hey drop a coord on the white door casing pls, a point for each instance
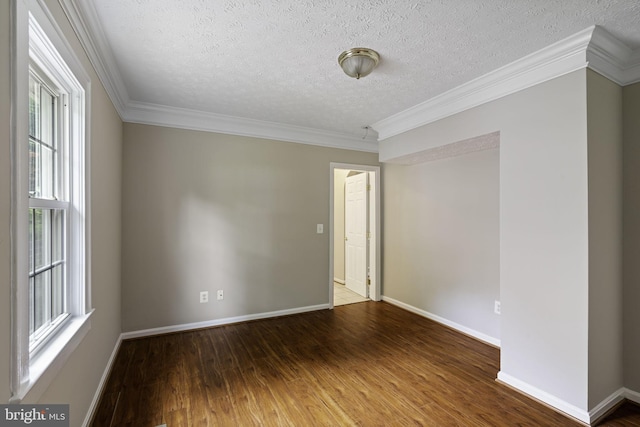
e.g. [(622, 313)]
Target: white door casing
[(372, 270), (356, 228)]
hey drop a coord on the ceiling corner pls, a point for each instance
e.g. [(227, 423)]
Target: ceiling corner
[(610, 57), (632, 72)]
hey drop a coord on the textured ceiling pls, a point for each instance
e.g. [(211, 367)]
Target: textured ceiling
[(276, 60)]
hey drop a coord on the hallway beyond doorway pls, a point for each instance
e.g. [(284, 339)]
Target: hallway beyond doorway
[(343, 296)]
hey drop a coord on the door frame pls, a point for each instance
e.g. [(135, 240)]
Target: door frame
[(375, 228)]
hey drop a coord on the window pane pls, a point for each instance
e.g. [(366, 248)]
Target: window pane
[(46, 173), (41, 292), (31, 237), (37, 238), (34, 108), (48, 144), (34, 136), (43, 154), (47, 118), (57, 292), (32, 282), (58, 233), (42, 237), (34, 188)]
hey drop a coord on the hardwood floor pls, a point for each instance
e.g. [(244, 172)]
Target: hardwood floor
[(365, 364)]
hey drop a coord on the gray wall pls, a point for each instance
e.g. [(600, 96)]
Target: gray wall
[(441, 234), (604, 118), (205, 211), (543, 227), (78, 380), (631, 239), (568, 274)]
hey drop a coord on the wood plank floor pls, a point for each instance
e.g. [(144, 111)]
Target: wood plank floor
[(366, 364)]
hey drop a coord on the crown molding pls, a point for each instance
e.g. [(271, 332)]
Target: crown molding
[(553, 61), (593, 47), (84, 21), (161, 115), (610, 57)]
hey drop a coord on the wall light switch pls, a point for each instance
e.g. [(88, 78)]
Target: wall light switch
[(220, 295), (320, 228)]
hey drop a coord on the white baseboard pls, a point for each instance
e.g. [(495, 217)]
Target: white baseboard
[(589, 418), (606, 405), (631, 395), (102, 383), (218, 322), (544, 397), (460, 328), (341, 281), (560, 405)]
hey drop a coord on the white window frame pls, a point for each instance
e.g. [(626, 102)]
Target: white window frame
[(38, 39), (61, 201)]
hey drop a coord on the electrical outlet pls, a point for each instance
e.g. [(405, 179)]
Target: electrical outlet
[(204, 297), (496, 307), (220, 294)]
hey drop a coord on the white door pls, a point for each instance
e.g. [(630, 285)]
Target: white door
[(355, 220)]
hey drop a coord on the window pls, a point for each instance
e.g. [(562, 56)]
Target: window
[(48, 209), (50, 215)]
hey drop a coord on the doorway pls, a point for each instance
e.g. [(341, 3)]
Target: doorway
[(354, 230)]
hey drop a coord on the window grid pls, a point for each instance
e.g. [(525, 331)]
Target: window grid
[(44, 166), (47, 214)]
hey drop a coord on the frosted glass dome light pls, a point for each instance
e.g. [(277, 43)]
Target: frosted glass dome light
[(359, 61)]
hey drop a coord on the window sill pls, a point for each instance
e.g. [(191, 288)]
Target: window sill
[(46, 365)]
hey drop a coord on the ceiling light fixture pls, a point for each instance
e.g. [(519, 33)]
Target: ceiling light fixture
[(359, 61)]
